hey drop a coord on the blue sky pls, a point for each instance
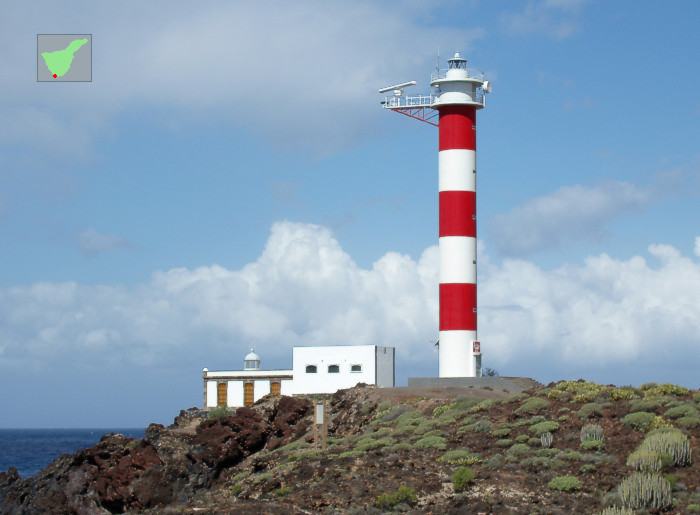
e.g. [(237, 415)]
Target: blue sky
[(229, 180)]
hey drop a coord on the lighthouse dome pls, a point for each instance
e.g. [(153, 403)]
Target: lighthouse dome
[(251, 361)]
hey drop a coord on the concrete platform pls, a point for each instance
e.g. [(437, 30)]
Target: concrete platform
[(510, 384)]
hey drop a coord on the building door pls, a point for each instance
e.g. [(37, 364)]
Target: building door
[(221, 394), (276, 388), (248, 394)]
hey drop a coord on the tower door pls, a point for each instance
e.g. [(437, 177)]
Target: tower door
[(276, 388), (248, 394), (221, 394)]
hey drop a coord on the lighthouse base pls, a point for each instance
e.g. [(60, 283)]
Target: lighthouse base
[(456, 356)]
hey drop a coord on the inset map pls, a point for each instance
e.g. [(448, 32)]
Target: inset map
[(64, 58)]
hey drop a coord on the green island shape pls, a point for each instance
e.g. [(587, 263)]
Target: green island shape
[(59, 62)]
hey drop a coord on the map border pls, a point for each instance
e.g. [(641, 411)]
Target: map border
[(38, 55)]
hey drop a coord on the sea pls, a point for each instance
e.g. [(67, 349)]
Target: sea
[(30, 450)]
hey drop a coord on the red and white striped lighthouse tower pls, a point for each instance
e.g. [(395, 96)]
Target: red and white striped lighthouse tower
[(458, 93)]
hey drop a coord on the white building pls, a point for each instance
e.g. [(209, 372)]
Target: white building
[(314, 370)]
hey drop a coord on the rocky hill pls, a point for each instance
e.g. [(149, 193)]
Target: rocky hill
[(570, 447)]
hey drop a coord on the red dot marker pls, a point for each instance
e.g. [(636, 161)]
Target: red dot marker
[(54, 75)]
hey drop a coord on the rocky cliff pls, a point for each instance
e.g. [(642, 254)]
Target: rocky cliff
[(568, 447)]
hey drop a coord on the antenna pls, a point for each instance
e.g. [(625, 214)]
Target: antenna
[(398, 86)]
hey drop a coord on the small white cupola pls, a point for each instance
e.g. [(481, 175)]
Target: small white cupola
[(251, 361), (457, 62)]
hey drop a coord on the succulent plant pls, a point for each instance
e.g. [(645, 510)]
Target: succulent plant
[(645, 460), (546, 439), (591, 432), (672, 442), (645, 491)]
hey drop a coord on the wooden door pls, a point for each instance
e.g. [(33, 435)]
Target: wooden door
[(276, 388), (248, 394), (221, 394)]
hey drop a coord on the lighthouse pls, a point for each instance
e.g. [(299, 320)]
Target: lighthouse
[(456, 95)]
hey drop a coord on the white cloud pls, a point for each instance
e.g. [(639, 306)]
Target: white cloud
[(305, 290), (570, 213), (90, 242), (553, 18), (290, 72)]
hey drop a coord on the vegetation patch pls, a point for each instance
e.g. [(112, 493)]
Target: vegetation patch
[(623, 393), (672, 442), (591, 445), (547, 426), (648, 405), (519, 449), (688, 422), (590, 410), (460, 457), (645, 460), (666, 389), (504, 442), (686, 410), (401, 446), (565, 484), (431, 442), (645, 491), (404, 495), (462, 478), (638, 421), (481, 426), (442, 409), (532, 406), (522, 438), (500, 433), (283, 491), (218, 412)]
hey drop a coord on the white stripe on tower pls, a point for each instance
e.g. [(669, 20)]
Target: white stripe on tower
[(457, 180)]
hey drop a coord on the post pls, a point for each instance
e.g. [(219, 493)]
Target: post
[(320, 420)]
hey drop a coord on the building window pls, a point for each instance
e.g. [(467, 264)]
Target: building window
[(310, 369), (333, 369), (355, 368)]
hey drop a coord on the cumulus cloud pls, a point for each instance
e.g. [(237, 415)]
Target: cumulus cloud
[(304, 289), (181, 63), (553, 18), (90, 242), (570, 213)]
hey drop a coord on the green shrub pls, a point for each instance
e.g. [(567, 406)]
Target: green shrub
[(442, 409), (586, 397), (262, 477), (409, 418), (591, 445), (401, 446), (530, 421), (648, 405), (571, 456), (235, 490), (481, 426), (283, 491), (431, 442), (350, 454), (688, 422), (587, 469), (404, 494), (666, 389), (293, 446), (370, 444), (460, 457), (464, 403), (241, 476), (504, 442), (500, 433), (548, 426), (564, 484), (516, 398), (533, 442), (483, 406), (448, 418), (578, 386), (462, 478), (672, 442), (522, 438), (623, 393), (696, 396), (384, 406), (563, 418), (638, 421), (686, 410), (645, 491), (532, 406), (644, 460), (590, 410), (218, 412), (519, 449)]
